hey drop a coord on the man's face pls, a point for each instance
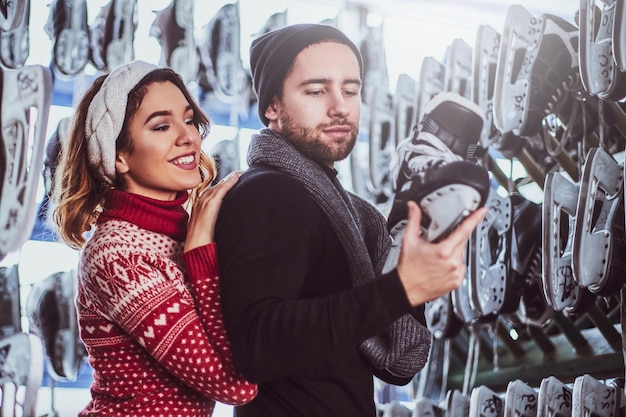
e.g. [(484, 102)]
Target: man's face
[(321, 103)]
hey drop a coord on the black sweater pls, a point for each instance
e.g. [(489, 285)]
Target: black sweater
[(293, 318)]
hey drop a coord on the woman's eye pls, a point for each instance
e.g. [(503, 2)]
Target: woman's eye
[(161, 128)]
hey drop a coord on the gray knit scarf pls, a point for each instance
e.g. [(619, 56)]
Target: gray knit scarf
[(362, 230)]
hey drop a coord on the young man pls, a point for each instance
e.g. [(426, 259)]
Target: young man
[(308, 313)]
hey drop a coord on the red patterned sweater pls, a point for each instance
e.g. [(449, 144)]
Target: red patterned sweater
[(155, 337)]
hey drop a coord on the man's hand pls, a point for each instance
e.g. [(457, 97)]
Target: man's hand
[(430, 270)]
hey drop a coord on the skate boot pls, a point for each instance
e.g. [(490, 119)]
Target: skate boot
[(21, 154), (593, 397), (537, 61), (457, 404), (427, 407), (112, 35), (52, 316), (68, 29), (15, 44), (435, 167), (10, 312)]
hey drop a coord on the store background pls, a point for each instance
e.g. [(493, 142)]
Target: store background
[(413, 29)]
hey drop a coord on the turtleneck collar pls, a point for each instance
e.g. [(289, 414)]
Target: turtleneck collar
[(165, 217)]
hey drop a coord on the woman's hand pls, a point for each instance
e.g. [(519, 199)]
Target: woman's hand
[(205, 210)]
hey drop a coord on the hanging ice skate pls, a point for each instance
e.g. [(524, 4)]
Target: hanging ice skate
[(485, 403), (221, 67), (52, 316), (555, 398), (10, 307), (21, 372), (593, 397), (25, 91), (559, 215), (457, 404), (526, 251), (458, 73), (491, 289), (174, 29), (112, 35), (427, 407), (599, 242), (404, 107), (15, 43), (599, 72), (485, 61), (619, 34), (520, 400), (11, 14), (431, 82), (537, 59), (68, 29)]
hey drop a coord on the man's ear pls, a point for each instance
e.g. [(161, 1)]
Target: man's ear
[(272, 110), (121, 163)]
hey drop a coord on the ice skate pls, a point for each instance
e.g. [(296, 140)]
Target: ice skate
[(68, 29), (11, 15), (485, 403), (21, 372), (427, 407), (10, 309), (599, 72), (599, 241), (221, 67), (559, 215), (112, 35), (593, 397), (15, 43), (457, 404), (173, 27), (21, 153), (520, 400), (52, 315), (555, 398), (434, 168), (537, 59)]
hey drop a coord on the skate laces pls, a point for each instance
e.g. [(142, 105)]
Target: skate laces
[(420, 154)]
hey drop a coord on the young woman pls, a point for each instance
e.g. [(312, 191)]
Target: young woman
[(148, 298)]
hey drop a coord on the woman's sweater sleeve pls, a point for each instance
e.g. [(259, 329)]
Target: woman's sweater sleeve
[(144, 295)]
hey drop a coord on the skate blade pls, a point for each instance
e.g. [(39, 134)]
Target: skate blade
[(120, 49), (459, 68), (431, 83), (24, 91), (71, 46), (599, 240), (447, 207)]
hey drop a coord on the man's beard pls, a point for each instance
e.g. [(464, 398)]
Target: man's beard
[(308, 140)]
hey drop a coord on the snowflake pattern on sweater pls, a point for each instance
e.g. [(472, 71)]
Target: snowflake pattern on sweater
[(155, 338)]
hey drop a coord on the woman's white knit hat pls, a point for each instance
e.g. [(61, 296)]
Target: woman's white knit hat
[(106, 114)]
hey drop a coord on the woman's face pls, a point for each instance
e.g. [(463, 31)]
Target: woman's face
[(165, 145)]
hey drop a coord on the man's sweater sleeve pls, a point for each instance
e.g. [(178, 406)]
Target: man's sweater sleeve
[(272, 331)]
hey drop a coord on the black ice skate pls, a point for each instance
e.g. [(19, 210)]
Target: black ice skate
[(434, 167)]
